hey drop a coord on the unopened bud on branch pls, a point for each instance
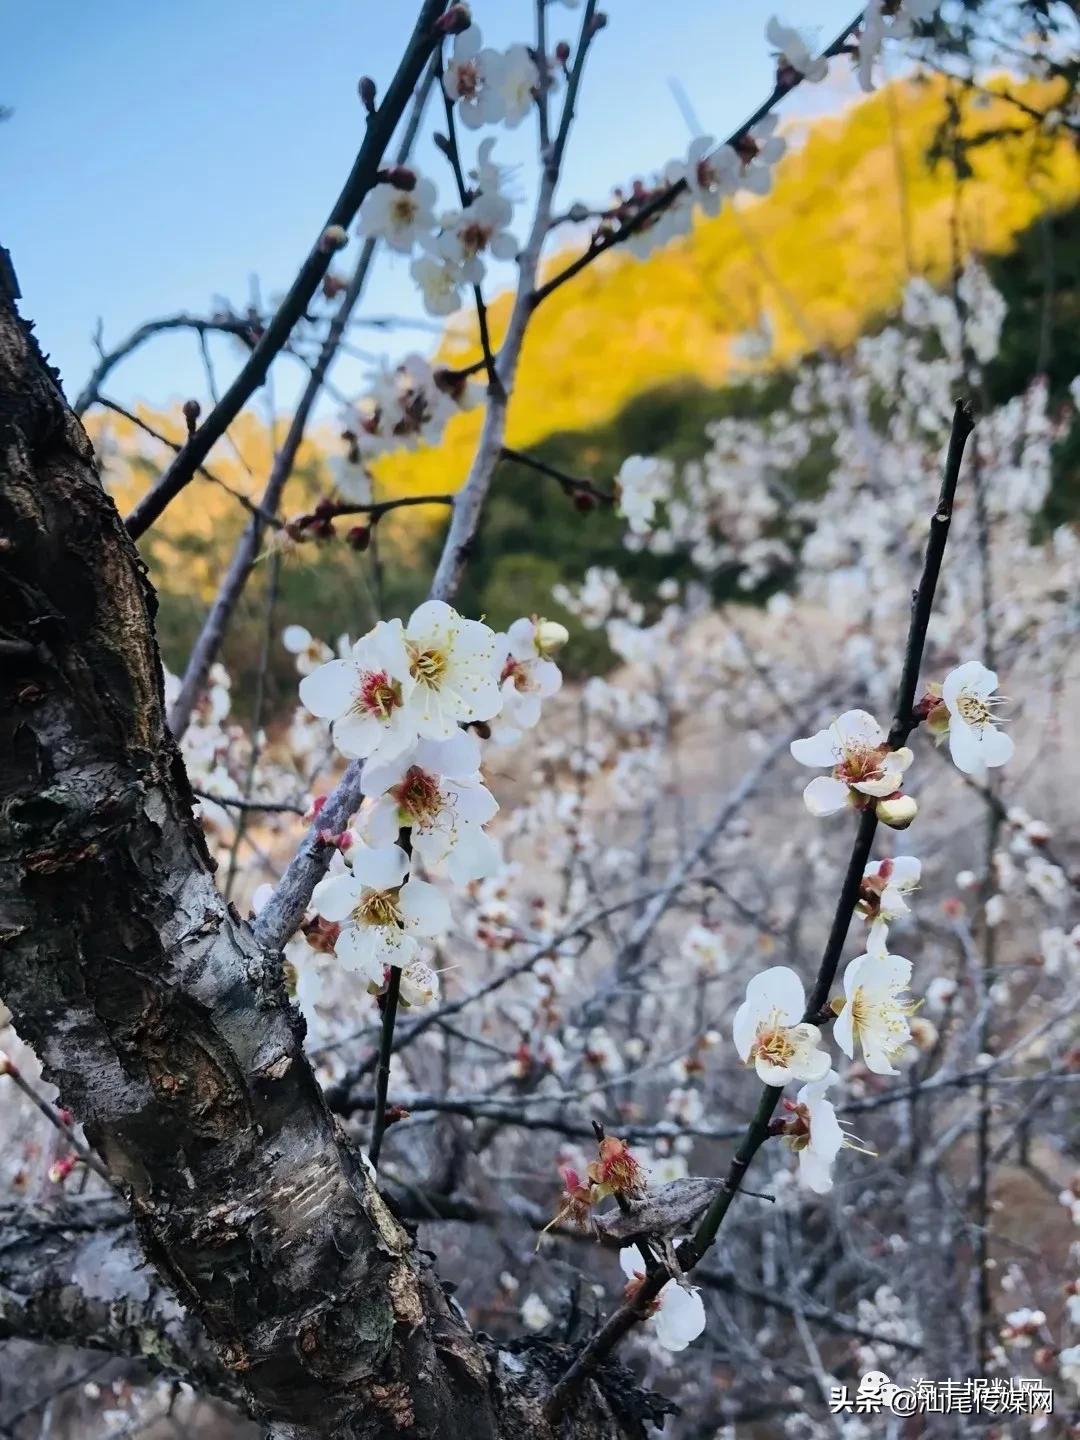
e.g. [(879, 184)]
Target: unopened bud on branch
[(192, 411), (896, 811), (562, 52), (334, 237), (59, 1171), (400, 177), (550, 637), (359, 537), (456, 19), (366, 88)]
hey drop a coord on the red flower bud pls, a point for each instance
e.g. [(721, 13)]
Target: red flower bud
[(359, 537), (192, 411), (61, 1169), (456, 19), (399, 176)]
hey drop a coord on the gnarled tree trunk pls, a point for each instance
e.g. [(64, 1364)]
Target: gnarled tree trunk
[(162, 1022)]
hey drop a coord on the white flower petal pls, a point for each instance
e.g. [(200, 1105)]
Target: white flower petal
[(335, 897), (860, 727), (825, 796), (681, 1317), (329, 691), (778, 988), (424, 909), (972, 676), (381, 869), (821, 750)]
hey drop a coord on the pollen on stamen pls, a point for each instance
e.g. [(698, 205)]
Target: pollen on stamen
[(378, 695), (428, 666)]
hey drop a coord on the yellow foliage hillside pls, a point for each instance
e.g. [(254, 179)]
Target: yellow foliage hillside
[(852, 212)]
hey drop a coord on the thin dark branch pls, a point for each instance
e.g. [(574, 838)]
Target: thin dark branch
[(374, 510), (363, 177), (242, 327), (267, 807), (622, 1320), (453, 154), (148, 429), (786, 81), (382, 1073), (210, 637), (571, 484)]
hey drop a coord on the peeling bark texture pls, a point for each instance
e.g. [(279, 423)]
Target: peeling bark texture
[(164, 1024)]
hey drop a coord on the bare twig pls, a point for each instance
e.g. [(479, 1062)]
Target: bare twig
[(362, 178), (690, 1252)]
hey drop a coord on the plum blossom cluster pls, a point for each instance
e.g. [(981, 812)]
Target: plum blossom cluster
[(411, 701), (677, 1314), (490, 87), (656, 212), (404, 406), (773, 1029), (451, 246)]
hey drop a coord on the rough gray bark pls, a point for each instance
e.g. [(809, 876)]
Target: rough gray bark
[(163, 1023), (55, 1286)]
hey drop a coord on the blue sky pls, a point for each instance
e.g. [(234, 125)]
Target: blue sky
[(163, 154)]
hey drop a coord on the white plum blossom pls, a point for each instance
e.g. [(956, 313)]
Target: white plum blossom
[(768, 1029), (366, 696), (1069, 1364), (678, 1316), (855, 747), (874, 1016), (706, 950), (1048, 881), (527, 674), (535, 1315), (434, 790), (451, 661), (401, 218), (517, 84), (975, 742), (705, 179), (478, 229), (1060, 951), (403, 407), (883, 21), (747, 165), (814, 1133), (473, 80), (881, 901), (440, 283), (310, 652), (420, 985), (382, 914), (793, 51), (642, 482)]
